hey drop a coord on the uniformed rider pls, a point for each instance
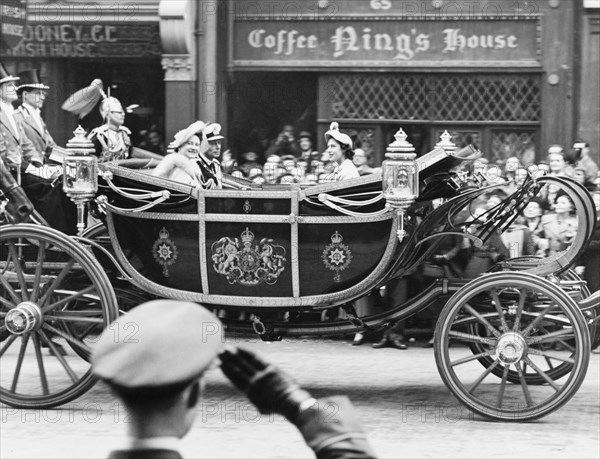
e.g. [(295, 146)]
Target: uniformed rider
[(111, 140)]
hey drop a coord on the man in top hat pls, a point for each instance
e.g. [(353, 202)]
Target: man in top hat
[(158, 372), (26, 162), (19, 152), (33, 94), (209, 158), (112, 140)]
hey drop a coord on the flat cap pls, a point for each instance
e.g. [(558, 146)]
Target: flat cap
[(161, 343)]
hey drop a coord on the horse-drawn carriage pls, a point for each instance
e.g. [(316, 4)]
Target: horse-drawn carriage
[(283, 254)]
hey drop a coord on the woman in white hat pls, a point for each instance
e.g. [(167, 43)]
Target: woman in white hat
[(182, 166), (339, 147)]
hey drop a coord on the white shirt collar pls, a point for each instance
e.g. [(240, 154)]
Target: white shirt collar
[(31, 109), (170, 443), (7, 107)]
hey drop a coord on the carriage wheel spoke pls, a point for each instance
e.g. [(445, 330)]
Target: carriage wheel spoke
[(542, 374), (482, 376), (18, 270), (519, 312), (525, 333), (470, 358), (75, 342), (469, 337), (548, 357), (57, 281), (502, 387), (21, 356), (493, 330), (499, 310), (38, 272), (64, 316), (552, 337), (69, 298), (11, 339), (84, 334), (15, 298), (40, 363), (524, 385), (59, 356), (5, 302)]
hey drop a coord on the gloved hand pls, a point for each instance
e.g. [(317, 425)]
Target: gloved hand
[(267, 387), (19, 206)]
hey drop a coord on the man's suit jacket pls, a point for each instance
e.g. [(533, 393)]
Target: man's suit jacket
[(18, 148), (41, 140)]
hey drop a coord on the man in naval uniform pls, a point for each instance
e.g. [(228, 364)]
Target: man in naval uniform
[(209, 159), (157, 372), (111, 140), (33, 94)]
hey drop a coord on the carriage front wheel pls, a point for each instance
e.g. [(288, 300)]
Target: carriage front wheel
[(521, 323), (55, 299)]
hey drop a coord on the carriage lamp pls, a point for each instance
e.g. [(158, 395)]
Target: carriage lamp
[(400, 177), (80, 174)]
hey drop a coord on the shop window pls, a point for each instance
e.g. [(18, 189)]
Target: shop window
[(508, 143), (436, 97)]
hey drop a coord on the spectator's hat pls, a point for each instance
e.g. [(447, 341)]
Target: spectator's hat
[(250, 156), (196, 128), (305, 135), (213, 132), (158, 348), (334, 133), (5, 77), (30, 79), (556, 149), (274, 159)]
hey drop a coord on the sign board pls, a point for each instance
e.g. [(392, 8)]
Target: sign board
[(13, 16), (359, 42), (88, 40)]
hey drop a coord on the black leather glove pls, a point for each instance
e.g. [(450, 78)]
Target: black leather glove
[(267, 387)]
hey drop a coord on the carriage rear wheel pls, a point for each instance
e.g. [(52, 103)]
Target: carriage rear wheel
[(55, 299), (516, 319)]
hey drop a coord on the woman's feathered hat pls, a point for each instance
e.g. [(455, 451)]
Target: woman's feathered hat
[(83, 101), (196, 128), (334, 133)]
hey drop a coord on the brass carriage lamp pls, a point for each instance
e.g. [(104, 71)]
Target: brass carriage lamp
[(400, 177), (80, 174)]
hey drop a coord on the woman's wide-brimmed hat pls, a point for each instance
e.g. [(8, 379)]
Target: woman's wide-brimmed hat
[(196, 128), (334, 133)]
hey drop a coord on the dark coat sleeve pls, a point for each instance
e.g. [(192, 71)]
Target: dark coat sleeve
[(331, 428)]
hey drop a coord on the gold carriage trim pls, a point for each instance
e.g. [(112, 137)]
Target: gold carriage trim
[(336, 256), (164, 251), (248, 263)]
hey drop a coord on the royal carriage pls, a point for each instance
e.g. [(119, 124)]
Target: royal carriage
[(283, 254)]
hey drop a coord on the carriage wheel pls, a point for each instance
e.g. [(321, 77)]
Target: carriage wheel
[(516, 319), (54, 299), (555, 370)]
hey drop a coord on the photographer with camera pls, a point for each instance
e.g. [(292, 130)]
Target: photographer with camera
[(157, 372), (285, 143)]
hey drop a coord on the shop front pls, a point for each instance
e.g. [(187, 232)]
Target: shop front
[(488, 72), (72, 44)]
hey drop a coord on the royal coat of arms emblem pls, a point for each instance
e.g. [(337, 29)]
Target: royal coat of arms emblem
[(164, 251), (336, 256), (248, 263)]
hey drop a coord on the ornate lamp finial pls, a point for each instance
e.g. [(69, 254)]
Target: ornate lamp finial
[(446, 143)]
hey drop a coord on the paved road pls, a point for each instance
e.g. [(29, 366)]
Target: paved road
[(404, 406)]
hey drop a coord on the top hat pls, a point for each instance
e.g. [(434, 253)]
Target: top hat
[(5, 77), (213, 132), (30, 79), (335, 133)]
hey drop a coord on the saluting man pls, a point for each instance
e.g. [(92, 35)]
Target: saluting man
[(111, 140), (33, 94)]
